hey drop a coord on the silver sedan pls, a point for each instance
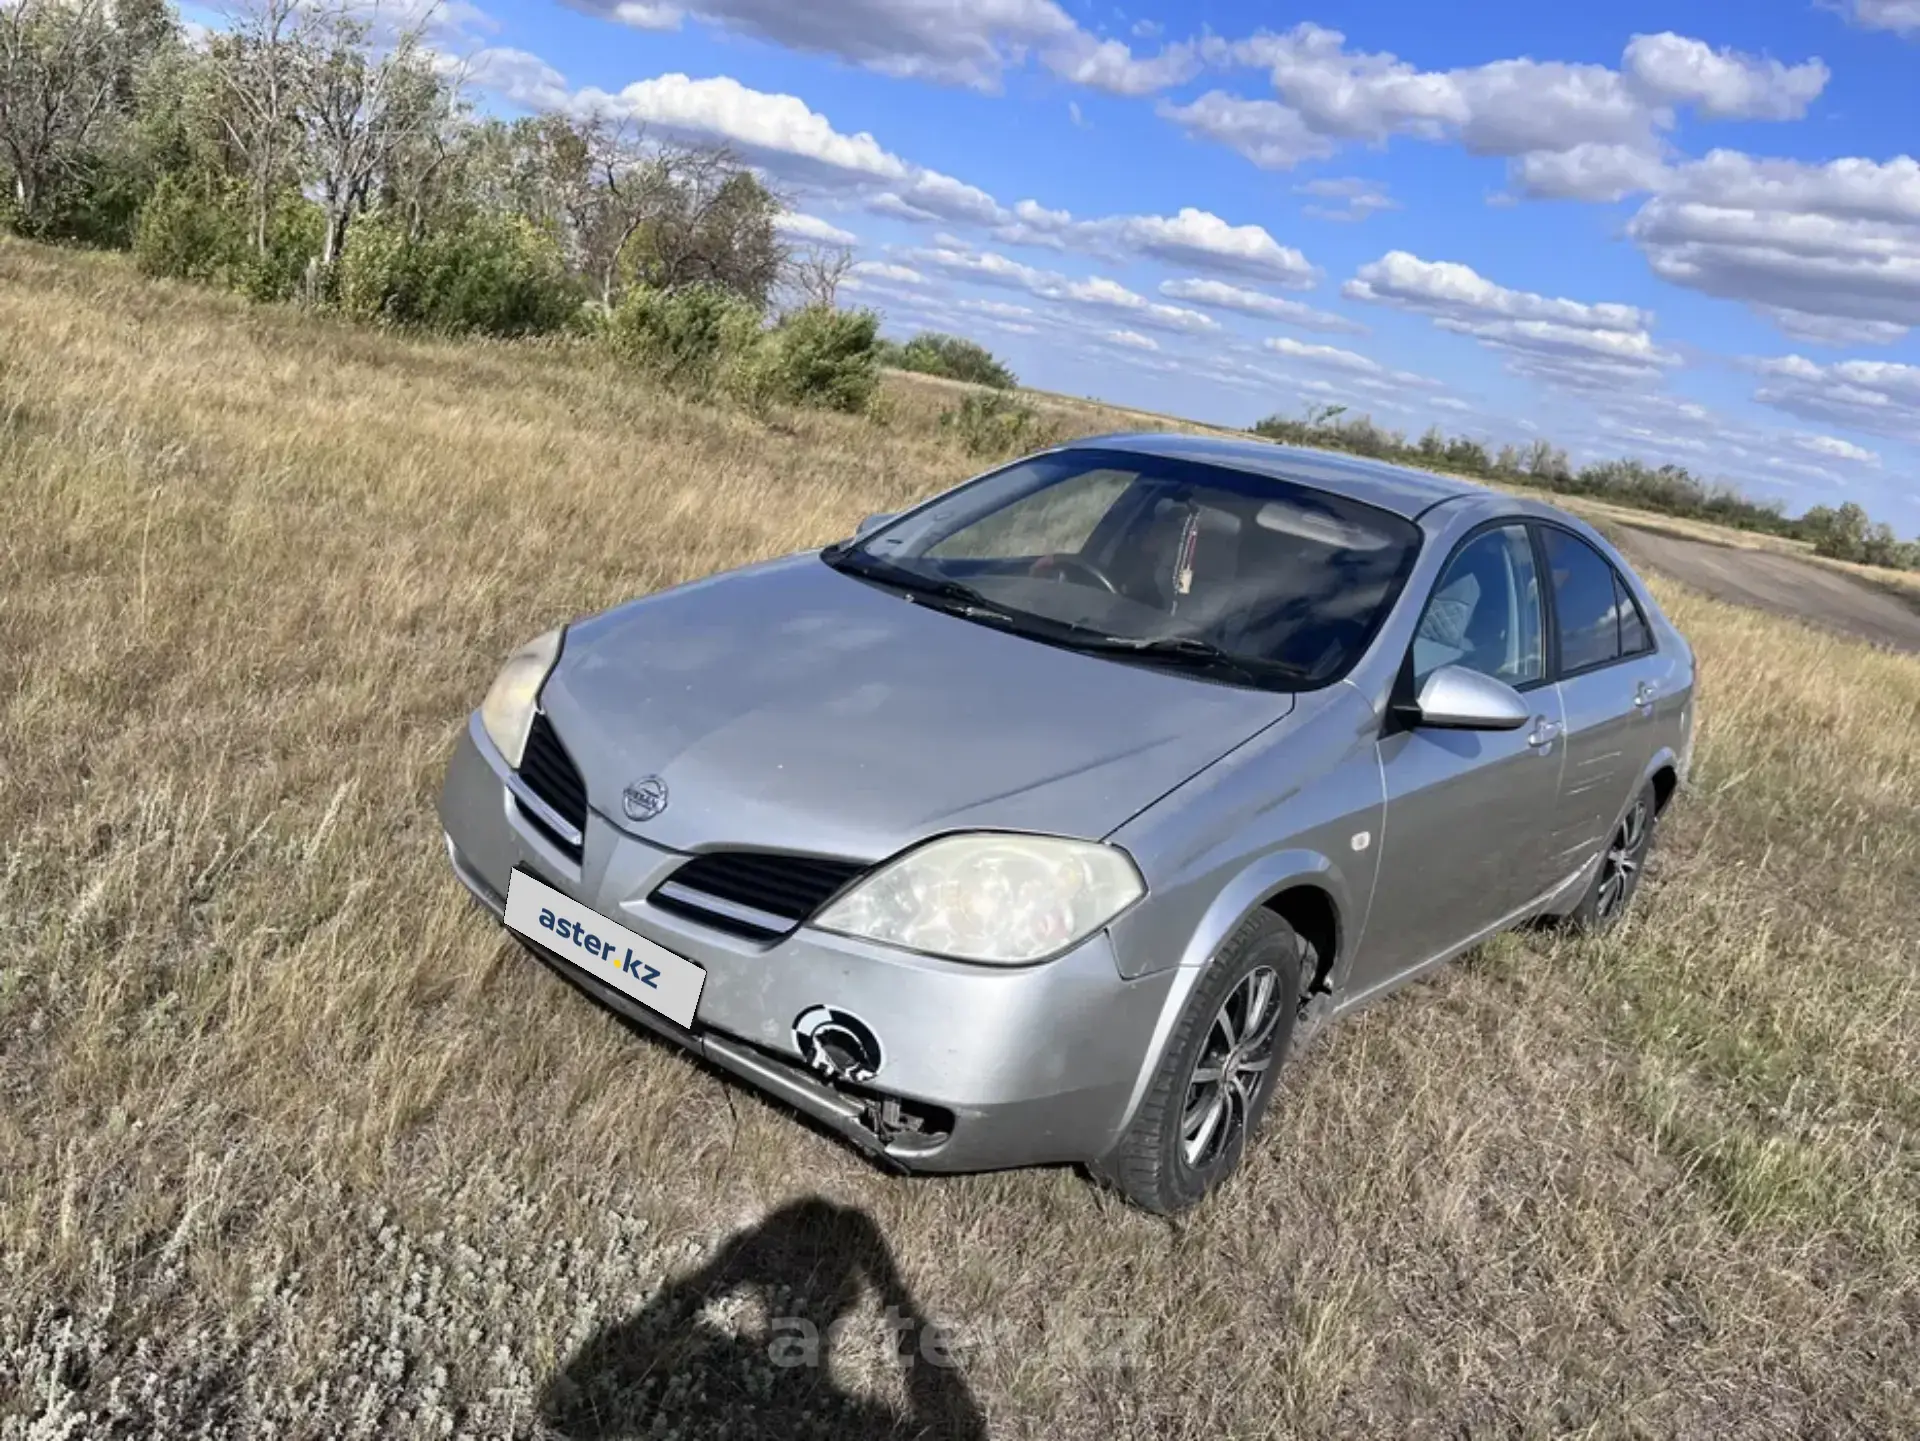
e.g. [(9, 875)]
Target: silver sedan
[(1040, 822)]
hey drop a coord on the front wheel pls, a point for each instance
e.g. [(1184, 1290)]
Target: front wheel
[(1617, 879), (1218, 1072)]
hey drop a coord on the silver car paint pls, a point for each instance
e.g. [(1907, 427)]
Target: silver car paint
[(792, 707)]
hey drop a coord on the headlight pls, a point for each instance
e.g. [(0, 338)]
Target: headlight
[(507, 712), (1002, 899)]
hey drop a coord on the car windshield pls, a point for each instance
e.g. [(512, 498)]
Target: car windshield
[(1253, 579)]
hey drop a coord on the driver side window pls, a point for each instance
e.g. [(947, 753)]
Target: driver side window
[(1485, 614)]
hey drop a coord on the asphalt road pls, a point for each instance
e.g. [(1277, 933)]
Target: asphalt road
[(1778, 583)]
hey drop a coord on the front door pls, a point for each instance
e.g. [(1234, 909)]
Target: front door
[(1467, 811)]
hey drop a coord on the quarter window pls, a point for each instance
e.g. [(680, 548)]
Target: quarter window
[(1587, 602), (1634, 636), (1485, 612)]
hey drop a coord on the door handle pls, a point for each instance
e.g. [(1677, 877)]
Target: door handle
[(1545, 733), (1643, 694)]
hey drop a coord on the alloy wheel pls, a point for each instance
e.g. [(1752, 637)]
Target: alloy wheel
[(1622, 861), (1234, 1059)]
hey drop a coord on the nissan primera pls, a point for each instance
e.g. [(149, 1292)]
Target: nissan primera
[(1040, 822)]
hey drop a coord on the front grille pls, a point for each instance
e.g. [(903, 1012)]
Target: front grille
[(549, 772), (754, 893)]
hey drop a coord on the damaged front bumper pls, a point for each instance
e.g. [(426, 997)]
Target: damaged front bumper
[(984, 1066)]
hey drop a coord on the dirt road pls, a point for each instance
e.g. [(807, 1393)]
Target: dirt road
[(1777, 583)]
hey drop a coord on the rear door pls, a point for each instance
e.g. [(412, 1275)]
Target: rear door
[(1607, 676), (1468, 812)]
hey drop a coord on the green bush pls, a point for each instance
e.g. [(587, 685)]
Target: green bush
[(191, 228), (823, 357), (932, 353), (992, 424), (487, 275), (695, 337), (197, 228), (296, 230)]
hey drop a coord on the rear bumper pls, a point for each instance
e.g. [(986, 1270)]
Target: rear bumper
[(1000, 1067)]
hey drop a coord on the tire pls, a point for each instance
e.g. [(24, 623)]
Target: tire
[(1617, 878), (1168, 1160)]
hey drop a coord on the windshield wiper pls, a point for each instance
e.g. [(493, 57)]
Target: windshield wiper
[(1186, 651), (949, 595)]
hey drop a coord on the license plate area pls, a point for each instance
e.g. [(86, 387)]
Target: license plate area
[(606, 950)]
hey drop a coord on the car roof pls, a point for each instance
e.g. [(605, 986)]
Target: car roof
[(1398, 489)]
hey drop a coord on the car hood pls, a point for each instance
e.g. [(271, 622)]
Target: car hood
[(789, 706)]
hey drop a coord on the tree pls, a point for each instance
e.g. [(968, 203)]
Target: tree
[(815, 274), (1547, 463), (705, 219), (358, 112), (62, 65), (261, 69), (932, 353)]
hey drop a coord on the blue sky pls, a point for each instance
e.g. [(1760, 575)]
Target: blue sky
[(1687, 230)]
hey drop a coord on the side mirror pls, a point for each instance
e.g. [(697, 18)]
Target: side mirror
[(1455, 698), (872, 523)]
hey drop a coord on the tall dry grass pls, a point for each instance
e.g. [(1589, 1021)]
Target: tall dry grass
[(294, 1144)]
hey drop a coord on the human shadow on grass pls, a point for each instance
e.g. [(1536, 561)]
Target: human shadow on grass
[(803, 1272)]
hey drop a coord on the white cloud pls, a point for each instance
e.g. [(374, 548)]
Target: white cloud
[(519, 78), (1218, 295), (812, 227), (1836, 448), (1329, 356), (1132, 339), (882, 270), (777, 131), (1834, 331), (1900, 16), (1607, 126), (999, 309), (1438, 287), (938, 40), (1358, 198), (988, 267), (1569, 343), (1586, 172), (1872, 395), (645, 15), (1109, 65), (1198, 237), (1833, 247), (1271, 135), (1722, 84)]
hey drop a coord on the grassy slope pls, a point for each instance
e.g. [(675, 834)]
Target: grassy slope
[(291, 1137)]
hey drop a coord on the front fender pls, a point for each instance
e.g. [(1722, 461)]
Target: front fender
[(1266, 877)]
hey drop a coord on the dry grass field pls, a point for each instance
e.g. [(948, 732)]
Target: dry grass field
[(293, 1143)]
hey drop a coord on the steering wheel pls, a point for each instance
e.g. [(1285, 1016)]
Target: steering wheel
[(1055, 566)]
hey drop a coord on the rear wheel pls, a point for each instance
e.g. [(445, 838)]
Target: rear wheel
[(1218, 1073), (1617, 880)]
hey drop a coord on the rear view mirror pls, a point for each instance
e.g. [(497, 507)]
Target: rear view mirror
[(1455, 698), (872, 523)]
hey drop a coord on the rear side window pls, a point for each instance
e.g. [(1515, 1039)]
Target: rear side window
[(1634, 636), (1586, 602)]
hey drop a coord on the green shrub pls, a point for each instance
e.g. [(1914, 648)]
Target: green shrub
[(932, 353), (825, 358), (197, 228), (296, 230), (696, 337), (993, 424), (488, 275), (191, 228)]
